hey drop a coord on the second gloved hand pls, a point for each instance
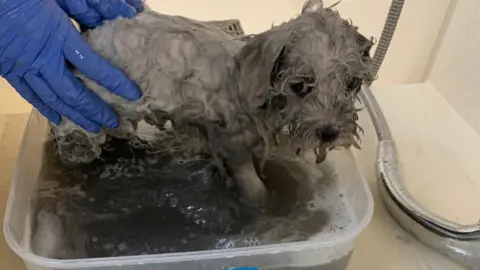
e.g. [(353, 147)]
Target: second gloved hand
[(37, 39)]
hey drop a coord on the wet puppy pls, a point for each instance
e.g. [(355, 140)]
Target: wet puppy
[(287, 90)]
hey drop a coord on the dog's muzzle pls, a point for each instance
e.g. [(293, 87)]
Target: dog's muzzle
[(327, 133)]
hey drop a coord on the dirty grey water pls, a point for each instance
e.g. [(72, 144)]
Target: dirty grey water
[(136, 200)]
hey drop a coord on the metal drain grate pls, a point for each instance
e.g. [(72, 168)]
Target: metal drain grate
[(232, 27)]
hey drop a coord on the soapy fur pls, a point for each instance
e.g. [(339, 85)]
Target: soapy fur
[(288, 90)]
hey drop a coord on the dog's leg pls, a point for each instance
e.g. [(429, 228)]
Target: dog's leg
[(126, 130), (252, 190)]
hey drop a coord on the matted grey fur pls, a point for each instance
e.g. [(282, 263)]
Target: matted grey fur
[(282, 92)]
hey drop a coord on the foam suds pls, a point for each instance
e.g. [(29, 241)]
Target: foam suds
[(137, 200)]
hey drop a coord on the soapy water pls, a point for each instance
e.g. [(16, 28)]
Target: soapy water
[(136, 200)]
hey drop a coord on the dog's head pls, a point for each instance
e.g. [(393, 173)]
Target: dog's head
[(304, 75)]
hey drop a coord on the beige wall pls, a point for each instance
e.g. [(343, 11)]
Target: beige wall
[(407, 57), (414, 38), (10, 101), (456, 72)]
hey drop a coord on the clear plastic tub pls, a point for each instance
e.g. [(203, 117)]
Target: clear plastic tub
[(326, 251)]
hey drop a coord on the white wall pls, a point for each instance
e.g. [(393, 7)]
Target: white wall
[(456, 71)]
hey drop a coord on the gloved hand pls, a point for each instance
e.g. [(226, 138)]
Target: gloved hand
[(37, 39), (91, 13)]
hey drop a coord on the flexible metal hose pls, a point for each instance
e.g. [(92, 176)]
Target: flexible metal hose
[(379, 121), (460, 242), (387, 35)]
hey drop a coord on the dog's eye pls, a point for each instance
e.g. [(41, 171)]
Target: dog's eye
[(354, 84), (300, 88)]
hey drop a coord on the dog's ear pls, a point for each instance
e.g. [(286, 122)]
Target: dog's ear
[(260, 62), (278, 65), (312, 6)]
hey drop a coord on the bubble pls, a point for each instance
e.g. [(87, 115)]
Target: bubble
[(224, 243), (94, 239), (122, 246), (251, 242), (230, 244), (173, 202)]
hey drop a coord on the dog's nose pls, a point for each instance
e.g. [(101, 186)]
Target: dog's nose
[(327, 133)]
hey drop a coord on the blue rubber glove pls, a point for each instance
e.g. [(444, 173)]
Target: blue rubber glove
[(91, 13), (37, 39)]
